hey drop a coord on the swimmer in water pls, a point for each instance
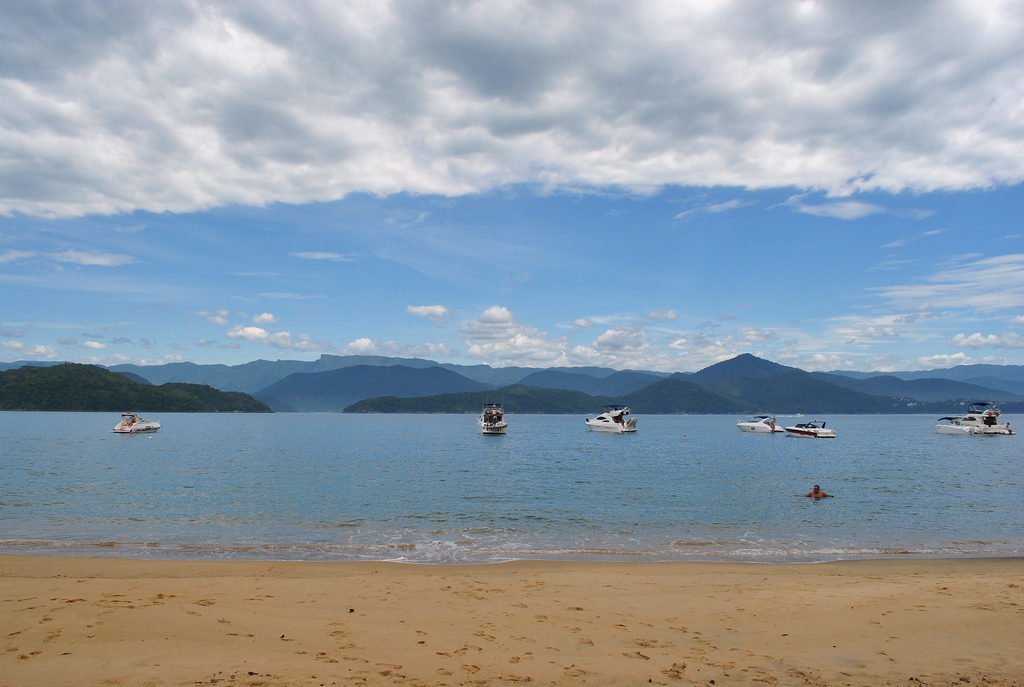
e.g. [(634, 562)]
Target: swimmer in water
[(817, 493)]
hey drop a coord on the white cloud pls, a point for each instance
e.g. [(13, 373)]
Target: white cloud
[(496, 336), (621, 341), (15, 255), (289, 296), (430, 351), (986, 285), (437, 313), (78, 257), (32, 351), (733, 204), (979, 340), (264, 318), (1018, 321), (180, 106), (749, 335), (95, 345), (282, 340), (582, 323), (700, 350), (362, 346), (902, 242), (321, 256), (218, 317), (847, 209), (663, 315), (880, 332)]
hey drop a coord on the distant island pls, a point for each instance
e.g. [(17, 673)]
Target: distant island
[(78, 387), (378, 384)]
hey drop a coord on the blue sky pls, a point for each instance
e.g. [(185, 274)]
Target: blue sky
[(826, 185)]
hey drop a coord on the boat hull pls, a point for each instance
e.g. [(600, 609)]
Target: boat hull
[(975, 431), (610, 427), (136, 430), (811, 433), (759, 428), (501, 428), (954, 429)]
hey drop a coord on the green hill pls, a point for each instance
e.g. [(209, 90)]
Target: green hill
[(677, 395), (515, 399), (337, 389), (72, 386), (799, 392)]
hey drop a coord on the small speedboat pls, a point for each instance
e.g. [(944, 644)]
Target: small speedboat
[(492, 419), (131, 423), (982, 419), (613, 419), (814, 429), (761, 424)]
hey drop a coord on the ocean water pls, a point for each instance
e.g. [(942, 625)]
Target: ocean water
[(432, 489)]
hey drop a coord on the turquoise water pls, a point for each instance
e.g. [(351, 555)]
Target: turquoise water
[(431, 489)]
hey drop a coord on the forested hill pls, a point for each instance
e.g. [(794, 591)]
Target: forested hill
[(73, 386)]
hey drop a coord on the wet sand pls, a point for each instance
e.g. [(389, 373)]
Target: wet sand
[(80, 621)]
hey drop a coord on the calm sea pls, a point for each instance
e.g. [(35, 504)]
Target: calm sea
[(431, 489)]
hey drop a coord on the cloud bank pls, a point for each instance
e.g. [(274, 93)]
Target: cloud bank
[(179, 105)]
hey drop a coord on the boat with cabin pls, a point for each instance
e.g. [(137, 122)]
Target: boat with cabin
[(492, 419), (760, 424), (613, 419), (982, 419)]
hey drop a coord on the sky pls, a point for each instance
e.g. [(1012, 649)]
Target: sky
[(647, 185)]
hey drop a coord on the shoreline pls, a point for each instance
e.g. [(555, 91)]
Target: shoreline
[(92, 621)]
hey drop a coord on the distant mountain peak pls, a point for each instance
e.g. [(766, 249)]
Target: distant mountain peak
[(743, 365)]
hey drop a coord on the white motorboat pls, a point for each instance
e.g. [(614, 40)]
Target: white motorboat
[(760, 424), (131, 423), (982, 419), (492, 419), (613, 419), (814, 429)]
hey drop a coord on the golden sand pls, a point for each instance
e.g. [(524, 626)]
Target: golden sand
[(79, 621)]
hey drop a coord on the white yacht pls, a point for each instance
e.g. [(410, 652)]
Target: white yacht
[(131, 423), (982, 419), (613, 419), (760, 424), (814, 429), (492, 419)]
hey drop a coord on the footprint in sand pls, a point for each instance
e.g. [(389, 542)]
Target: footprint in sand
[(675, 672)]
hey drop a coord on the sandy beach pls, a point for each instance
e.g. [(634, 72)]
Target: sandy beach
[(81, 621)]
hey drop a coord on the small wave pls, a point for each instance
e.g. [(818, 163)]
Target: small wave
[(465, 551)]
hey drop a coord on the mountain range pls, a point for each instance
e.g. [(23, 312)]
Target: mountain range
[(744, 384)]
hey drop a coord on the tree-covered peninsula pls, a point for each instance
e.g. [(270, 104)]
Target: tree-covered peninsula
[(77, 387)]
